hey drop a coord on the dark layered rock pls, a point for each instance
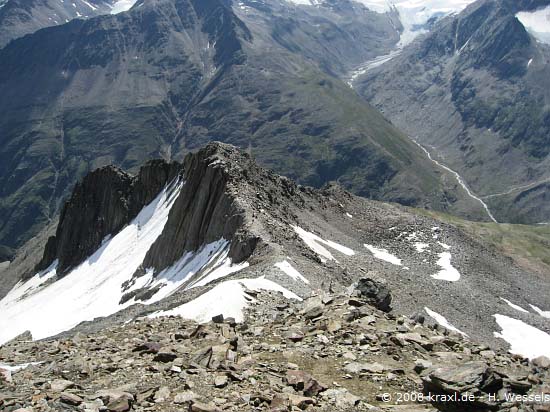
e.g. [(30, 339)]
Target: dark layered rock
[(467, 387), (375, 292), (102, 204), (206, 209)]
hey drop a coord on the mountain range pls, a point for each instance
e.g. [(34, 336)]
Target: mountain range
[(474, 93), (169, 75)]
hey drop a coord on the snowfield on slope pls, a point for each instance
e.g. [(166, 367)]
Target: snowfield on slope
[(229, 299), (384, 255), (514, 306), (46, 306), (316, 243), (92, 289), (441, 320), (448, 272), (537, 23), (524, 339), (289, 270)]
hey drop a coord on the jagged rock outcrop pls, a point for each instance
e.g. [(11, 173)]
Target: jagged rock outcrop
[(203, 212), (215, 202), (104, 202)]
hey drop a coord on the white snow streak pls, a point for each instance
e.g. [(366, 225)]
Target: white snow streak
[(227, 298), (383, 254), (421, 247), (212, 258), (524, 339), (440, 319), (290, 271), (513, 306), (541, 312), (315, 243)]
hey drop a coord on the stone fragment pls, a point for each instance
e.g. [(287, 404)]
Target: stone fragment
[(204, 407), (218, 318), (184, 397), (61, 385), (162, 394), (221, 381), (70, 399), (304, 382)]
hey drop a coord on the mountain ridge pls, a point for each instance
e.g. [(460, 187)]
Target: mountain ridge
[(226, 220), (150, 83)]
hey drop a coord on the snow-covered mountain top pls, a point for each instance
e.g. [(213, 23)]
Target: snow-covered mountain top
[(420, 6), (122, 5), (537, 23), (414, 14)]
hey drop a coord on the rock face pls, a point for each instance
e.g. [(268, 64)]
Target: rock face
[(104, 202), (205, 211)]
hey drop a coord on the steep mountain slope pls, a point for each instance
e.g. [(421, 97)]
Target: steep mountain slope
[(169, 75), (337, 35), (21, 17), (222, 225), (475, 93)]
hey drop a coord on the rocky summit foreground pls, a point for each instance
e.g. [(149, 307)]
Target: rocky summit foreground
[(329, 353)]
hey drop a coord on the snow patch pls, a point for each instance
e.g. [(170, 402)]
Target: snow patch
[(513, 306), (383, 254), (315, 243), (16, 368), (421, 247), (122, 5), (227, 298), (440, 319), (212, 259), (447, 272), (537, 23), (290, 271), (524, 339), (541, 312), (444, 246)]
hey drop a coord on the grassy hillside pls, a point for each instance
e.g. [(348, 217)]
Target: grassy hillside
[(528, 245)]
